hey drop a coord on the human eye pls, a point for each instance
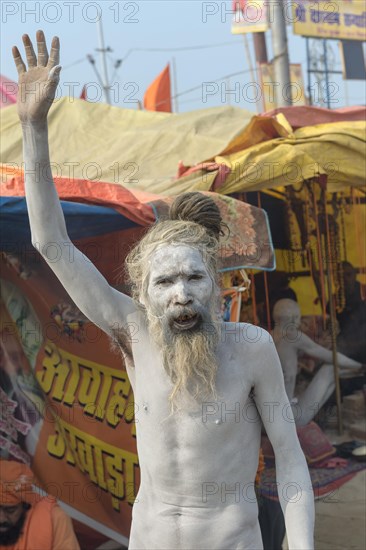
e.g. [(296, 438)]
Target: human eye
[(163, 282), (195, 277)]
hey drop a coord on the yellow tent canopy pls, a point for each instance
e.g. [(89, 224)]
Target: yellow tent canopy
[(142, 150)]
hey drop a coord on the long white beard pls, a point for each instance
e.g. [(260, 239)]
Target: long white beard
[(189, 356)]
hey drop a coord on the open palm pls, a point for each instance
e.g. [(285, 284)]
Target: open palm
[(37, 85)]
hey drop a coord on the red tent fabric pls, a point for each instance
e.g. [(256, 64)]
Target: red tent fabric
[(305, 115), (84, 93), (8, 91), (107, 194)]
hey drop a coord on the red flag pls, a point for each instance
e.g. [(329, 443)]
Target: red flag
[(84, 94), (239, 5), (158, 96)]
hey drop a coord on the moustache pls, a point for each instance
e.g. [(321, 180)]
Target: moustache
[(186, 317)]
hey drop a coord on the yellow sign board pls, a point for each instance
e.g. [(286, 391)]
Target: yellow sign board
[(337, 19), (296, 87), (250, 16)]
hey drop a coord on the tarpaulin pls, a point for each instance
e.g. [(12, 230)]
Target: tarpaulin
[(100, 193), (142, 150), (307, 115), (135, 149), (335, 150), (93, 209)]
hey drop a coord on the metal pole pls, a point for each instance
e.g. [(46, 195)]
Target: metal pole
[(333, 316), (260, 49), (250, 64), (281, 62), (325, 55), (104, 62), (308, 62), (346, 94), (175, 87), (228, 87)]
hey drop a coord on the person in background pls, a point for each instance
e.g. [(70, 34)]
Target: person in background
[(352, 319), (29, 521), (290, 343)]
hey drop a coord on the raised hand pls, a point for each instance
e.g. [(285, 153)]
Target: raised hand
[(37, 85)]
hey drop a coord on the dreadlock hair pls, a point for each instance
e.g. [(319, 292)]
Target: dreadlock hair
[(194, 220)]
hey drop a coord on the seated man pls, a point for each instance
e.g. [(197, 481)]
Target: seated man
[(290, 342), (28, 520)]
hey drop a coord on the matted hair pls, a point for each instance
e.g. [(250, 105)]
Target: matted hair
[(194, 220), (189, 359)]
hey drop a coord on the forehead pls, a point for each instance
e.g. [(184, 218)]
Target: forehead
[(176, 258), (287, 310)]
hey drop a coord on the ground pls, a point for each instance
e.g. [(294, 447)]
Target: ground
[(341, 525)]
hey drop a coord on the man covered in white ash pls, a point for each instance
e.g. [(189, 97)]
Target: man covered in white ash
[(199, 383)]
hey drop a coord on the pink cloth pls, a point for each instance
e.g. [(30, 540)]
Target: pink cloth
[(8, 92), (305, 115)]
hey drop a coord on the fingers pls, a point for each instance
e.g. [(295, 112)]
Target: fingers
[(42, 49), (19, 63), (53, 80), (29, 51), (43, 59), (54, 75), (55, 53)]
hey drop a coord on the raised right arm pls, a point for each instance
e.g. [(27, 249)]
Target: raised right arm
[(101, 303)]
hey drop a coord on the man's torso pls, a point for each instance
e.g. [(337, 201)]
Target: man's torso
[(198, 464)]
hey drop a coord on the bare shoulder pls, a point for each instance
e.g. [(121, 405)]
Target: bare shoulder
[(246, 337), (251, 346)]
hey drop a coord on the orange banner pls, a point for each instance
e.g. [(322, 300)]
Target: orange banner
[(67, 404)]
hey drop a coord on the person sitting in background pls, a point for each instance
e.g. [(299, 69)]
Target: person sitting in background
[(290, 342), (29, 521), (352, 319)]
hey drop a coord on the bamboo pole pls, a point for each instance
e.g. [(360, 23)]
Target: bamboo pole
[(333, 317)]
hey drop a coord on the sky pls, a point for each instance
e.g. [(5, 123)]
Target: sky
[(193, 35)]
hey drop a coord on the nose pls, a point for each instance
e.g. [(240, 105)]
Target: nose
[(181, 294)]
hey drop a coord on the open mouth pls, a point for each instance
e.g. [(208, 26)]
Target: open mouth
[(185, 322)]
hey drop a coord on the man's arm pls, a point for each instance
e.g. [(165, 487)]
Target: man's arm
[(311, 348), (103, 305), (63, 535), (293, 479)]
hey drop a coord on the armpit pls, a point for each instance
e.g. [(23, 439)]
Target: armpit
[(120, 342)]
